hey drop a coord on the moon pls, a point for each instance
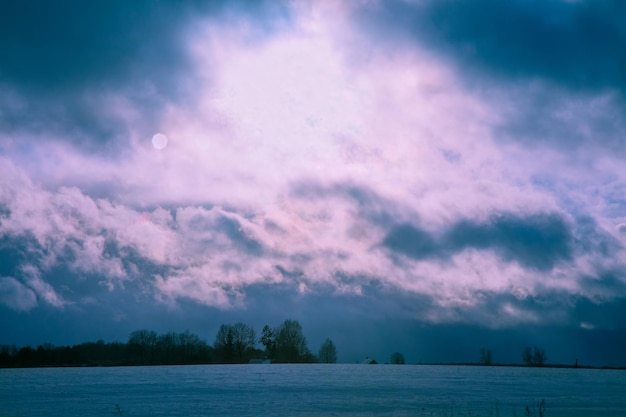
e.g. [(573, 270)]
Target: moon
[(159, 141)]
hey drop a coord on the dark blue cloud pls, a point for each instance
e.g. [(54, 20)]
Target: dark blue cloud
[(581, 45), (73, 45), (58, 56), (13, 253), (411, 241), (537, 241)]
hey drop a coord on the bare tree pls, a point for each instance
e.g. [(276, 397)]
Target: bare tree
[(234, 343), (142, 343), (244, 339), (190, 344), (527, 356), (168, 347), (328, 352), (534, 356), (539, 356), (223, 344), (485, 356)]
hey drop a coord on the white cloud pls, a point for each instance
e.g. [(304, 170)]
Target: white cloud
[(43, 289)]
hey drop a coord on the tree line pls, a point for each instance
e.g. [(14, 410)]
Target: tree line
[(530, 356), (236, 343), (233, 344), (284, 343)]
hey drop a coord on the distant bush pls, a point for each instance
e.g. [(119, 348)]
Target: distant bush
[(397, 358)]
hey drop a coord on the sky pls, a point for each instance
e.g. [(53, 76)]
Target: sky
[(422, 176)]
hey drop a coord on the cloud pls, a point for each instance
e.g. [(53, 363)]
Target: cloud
[(579, 45), (215, 256), (16, 295), (105, 40), (82, 73), (44, 290), (553, 70), (109, 52), (411, 241), (537, 241), (314, 161)]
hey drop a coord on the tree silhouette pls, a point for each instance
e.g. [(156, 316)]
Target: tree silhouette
[(397, 358), (244, 339), (328, 352), (142, 343), (143, 348), (290, 343), (268, 339), (235, 344), (485, 356), (534, 357), (223, 344), (167, 348), (7, 353), (190, 346)]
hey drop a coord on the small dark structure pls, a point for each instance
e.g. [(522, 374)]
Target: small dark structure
[(369, 361)]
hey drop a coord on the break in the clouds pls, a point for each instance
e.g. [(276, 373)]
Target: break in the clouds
[(441, 162)]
